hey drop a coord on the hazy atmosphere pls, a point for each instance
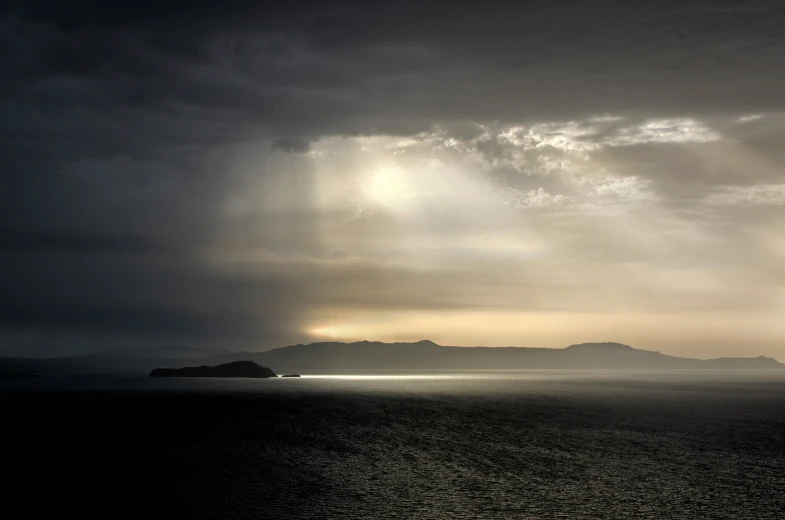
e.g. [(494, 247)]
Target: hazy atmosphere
[(267, 259), (538, 174)]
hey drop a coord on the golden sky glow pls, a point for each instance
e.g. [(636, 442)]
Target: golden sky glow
[(540, 235)]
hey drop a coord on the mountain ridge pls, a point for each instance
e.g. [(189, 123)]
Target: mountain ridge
[(335, 357)]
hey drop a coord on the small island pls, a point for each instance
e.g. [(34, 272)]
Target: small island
[(235, 369), (291, 375)]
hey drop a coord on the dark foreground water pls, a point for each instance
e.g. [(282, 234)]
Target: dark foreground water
[(537, 445)]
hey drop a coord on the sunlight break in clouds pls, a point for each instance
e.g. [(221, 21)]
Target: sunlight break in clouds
[(263, 171), (484, 242)]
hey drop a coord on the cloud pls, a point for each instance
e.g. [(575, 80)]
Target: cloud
[(59, 242), (104, 293), (763, 195), (535, 198), (187, 172), (596, 133), (291, 144), (629, 189)]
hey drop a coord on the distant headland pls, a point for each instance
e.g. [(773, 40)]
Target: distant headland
[(234, 369)]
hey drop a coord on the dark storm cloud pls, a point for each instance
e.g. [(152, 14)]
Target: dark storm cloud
[(339, 68), (291, 144), (127, 244), (103, 289), (128, 320), (121, 124)]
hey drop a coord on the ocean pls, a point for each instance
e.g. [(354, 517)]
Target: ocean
[(507, 444)]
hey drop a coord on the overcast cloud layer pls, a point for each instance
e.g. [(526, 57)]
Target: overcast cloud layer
[(536, 174)]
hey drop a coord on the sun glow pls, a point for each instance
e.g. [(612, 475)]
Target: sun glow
[(517, 243), (496, 327), (331, 331), (388, 187)]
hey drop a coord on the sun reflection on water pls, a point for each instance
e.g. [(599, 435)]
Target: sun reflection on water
[(387, 376)]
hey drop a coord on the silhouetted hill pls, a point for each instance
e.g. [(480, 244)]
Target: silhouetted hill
[(601, 347), (336, 357), (235, 369)]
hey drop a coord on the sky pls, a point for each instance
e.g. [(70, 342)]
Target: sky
[(534, 173)]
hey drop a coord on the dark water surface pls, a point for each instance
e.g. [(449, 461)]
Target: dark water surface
[(534, 445)]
